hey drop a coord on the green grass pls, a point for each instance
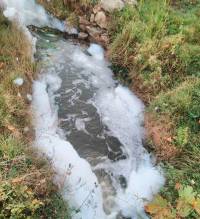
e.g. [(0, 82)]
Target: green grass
[(26, 188), (57, 8), (158, 43), (63, 8)]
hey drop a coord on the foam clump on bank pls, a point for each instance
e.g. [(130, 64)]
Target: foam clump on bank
[(18, 82)]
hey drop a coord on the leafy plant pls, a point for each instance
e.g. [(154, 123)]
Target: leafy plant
[(18, 201), (187, 204)]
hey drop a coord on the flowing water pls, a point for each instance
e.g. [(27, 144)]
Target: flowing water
[(93, 115), (87, 124)]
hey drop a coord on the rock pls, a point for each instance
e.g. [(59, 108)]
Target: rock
[(131, 2), (111, 5), (93, 31), (82, 36), (83, 21), (26, 129), (96, 9), (104, 39), (82, 28), (101, 19), (18, 82), (157, 109), (92, 18)]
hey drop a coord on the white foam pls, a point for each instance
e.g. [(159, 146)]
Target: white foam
[(96, 51), (18, 81), (74, 176), (30, 13), (143, 184), (122, 113)]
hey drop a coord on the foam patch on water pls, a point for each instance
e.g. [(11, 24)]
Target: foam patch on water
[(28, 12), (121, 111), (74, 176), (96, 51)]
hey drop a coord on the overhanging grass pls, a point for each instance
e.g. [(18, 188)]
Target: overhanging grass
[(26, 188), (63, 8), (158, 44)]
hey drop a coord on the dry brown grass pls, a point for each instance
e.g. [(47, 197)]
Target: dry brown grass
[(160, 131)]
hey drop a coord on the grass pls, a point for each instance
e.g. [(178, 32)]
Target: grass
[(57, 8), (26, 188), (158, 44), (64, 9)]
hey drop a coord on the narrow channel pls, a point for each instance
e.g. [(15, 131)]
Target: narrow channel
[(101, 121)]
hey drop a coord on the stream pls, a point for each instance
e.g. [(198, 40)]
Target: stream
[(91, 129), (88, 125)]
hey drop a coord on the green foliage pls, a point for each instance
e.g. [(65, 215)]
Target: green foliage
[(182, 105), (159, 45), (17, 201), (63, 8), (187, 205), (182, 135)]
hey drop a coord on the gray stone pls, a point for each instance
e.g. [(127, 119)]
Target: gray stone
[(92, 18), (101, 19), (111, 5), (82, 36)]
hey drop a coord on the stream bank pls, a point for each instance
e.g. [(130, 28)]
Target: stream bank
[(26, 180)]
